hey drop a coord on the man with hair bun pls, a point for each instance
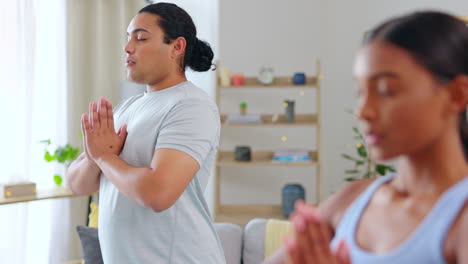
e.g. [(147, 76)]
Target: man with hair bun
[(152, 172)]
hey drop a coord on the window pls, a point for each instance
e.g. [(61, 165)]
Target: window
[(33, 107)]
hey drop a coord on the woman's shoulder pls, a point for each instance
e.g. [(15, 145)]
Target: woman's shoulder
[(333, 209)]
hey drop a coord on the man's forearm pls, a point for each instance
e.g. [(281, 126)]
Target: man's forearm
[(134, 182), (83, 176)]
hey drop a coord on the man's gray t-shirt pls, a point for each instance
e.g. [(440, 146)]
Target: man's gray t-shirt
[(185, 118)]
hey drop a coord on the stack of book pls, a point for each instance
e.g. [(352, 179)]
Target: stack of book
[(244, 119), (291, 156)]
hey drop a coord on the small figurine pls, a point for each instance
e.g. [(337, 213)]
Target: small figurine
[(243, 108)]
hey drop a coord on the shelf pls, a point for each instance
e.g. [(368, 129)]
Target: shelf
[(300, 120), (279, 83), (261, 158), (59, 192), (242, 214)]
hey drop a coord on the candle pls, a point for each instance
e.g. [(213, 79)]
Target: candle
[(237, 79)]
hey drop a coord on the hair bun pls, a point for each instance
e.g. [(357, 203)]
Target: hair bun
[(201, 56)]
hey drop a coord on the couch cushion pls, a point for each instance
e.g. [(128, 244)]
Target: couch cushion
[(276, 231), (90, 244), (231, 240), (254, 241), (229, 234)]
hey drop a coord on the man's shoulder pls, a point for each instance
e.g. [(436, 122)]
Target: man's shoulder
[(189, 92), (193, 99)]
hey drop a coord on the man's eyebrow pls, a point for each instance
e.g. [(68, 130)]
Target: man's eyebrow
[(136, 30)]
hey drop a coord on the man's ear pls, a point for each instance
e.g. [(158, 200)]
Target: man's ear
[(459, 92), (178, 47)]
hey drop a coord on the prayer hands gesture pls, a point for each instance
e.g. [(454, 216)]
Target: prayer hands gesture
[(311, 241), (99, 134)]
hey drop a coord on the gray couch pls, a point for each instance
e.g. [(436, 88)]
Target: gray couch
[(245, 246)]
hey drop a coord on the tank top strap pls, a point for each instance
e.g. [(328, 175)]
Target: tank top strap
[(445, 212), (424, 245), (354, 211)]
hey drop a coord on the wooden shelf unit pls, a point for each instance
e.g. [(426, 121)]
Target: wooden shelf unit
[(278, 83), (269, 120), (242, 213), (261, 158)]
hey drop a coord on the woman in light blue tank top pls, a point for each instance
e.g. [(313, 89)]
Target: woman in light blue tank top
[(412, 79)]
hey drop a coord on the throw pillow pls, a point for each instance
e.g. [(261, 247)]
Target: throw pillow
[(90, 244)]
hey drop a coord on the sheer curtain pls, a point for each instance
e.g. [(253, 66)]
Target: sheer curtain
[(96, 59), (33, 106), (57, 56)]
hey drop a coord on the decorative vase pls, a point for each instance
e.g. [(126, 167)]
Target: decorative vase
[(299, 78), (242, 153), (237, 79), (290, 194), (289, 111), (225, 76)]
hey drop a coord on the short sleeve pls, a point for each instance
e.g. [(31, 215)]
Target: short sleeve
[(192, 126)]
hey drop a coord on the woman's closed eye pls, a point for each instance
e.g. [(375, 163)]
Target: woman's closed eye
[(383, 88)]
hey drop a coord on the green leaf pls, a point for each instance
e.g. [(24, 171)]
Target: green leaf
[(381, 169), (356, 130), (351, 171), (48, 157), (46, 141), (358, 133), (360, 163), (390, 168), (350, 179), (62, 154), (80, 134), (361, 150), (58, 180), (74, 153), (368, 175), (346, 156)]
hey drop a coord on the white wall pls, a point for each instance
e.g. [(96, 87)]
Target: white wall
[(204, 14), (345, 23), (289, 36), (284, 36)]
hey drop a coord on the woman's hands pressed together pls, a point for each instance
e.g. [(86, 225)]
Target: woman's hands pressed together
[(311, 241)]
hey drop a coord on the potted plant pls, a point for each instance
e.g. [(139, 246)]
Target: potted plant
[(64, 155), (364, 167)]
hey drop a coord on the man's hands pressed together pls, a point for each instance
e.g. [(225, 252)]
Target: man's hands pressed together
[(99, 136)]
